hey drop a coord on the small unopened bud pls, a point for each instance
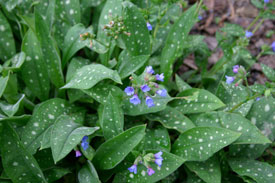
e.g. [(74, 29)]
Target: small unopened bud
[(116, 37), (131, 78), (91, 43)]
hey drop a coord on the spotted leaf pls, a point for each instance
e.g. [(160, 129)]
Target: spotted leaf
[(172, 119), (19, 164), (129, 64), (182, 85), (112, 119), (90, 75), (3, 83), (101, 91), (206, 101), (269, 72), (34, 72), (259, 171), (170, 163), (88, 174), (155, 139), (66, 135), (138, 43), (7, 45), (49, 51), (200, 143), (205, 168), (174, 43), (11, 109), (43, 117), (234, 122), (113, 151)]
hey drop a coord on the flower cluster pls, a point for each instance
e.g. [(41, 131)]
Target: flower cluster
[(146, 160), (89, 36), (115, 27), (84, 144), (149, 88), (240, 75)]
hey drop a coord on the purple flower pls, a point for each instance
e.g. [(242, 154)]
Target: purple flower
[(150, 171), (149, 101), (85, 143), (77, 153), (135, 100), (159, 77), (266, 1), (229, 79), (129, 90), (145, 88), (133, 168), (162, 92), (158, 158), (258, 98), (149, 70), (149, 26), (248, 34), (236, 68), (273, 46)]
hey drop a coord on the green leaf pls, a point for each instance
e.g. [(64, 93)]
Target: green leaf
[(138, 43), (112, 120), (259, 171), (18, 163), (43, 117), (155, 139), (73, 42), (200, 143), (262, 115), (54, 173), (251, 151), (268, 72), (66, 135), (49, 51), (206, 101), (3, 83), (7, 45), (75, 64), (182, 85), (90, 75), (67, 14), (34, 72), (88, 174), (174, 42), (205, 168), (11, 109), (113, 151), (172, 119), (129, 64), (170, 163), (15, 62), (101, 91), (234, 122)]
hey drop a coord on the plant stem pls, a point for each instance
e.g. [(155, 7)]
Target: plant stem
[(254, 21), (241, 103)]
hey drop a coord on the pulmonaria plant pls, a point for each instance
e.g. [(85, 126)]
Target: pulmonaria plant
[(146, 160), (149, 87), (240, 75), (116, 27)]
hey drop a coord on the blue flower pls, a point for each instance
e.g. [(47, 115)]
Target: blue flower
[(162, 92), (266, 1), (150, 171), (273, 46), (133, 168), (129, 90), (248, 34), (229, 79), (77, 153), (236, 68), (258, 98), (149, 101), (158, 158), (149, 70), (159, 77), (200, 17), (85, 143), (149, 26), (135, 100), (145, 88)]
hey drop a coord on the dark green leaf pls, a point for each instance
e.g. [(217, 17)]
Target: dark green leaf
[(269, 72), (11, 109), (88, 174)]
